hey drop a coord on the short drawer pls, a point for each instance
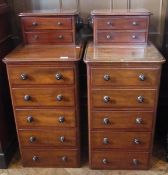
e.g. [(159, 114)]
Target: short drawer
[(42, 137), (50, 158), (113, 159), (46, 23), (120, 140), (123, 98), (41, 75), (122, 120), (124, 77), (57, 97), (122, 23), (49, 37), (58, 118), (120, 37)]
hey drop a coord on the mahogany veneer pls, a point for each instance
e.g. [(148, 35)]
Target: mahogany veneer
[(116, 27), (44, 88), (123, 86), (49, 27)]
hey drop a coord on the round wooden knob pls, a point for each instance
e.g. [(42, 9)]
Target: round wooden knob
[(23, 76), (27, 97)]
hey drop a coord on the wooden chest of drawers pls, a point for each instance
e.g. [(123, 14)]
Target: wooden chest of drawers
[(44, 90), (44, 27), (123, 84), (120, 26)]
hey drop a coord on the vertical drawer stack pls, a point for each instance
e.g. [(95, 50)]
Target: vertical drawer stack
[(46, 107), (47, 28), (123, 72), (43, 76), (124, 27)]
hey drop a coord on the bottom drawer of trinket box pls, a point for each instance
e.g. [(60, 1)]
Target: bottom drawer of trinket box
[(50, 158), (119, 160)]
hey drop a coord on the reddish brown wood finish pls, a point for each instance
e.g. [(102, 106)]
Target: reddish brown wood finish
[(39, 97), (120, 37), (41, 75), (125, 120), (51, 158), (120, 27), (42, 27), (48, 138), (120, 140), (41, 132), (121, 128), (124, 23), (120, 160), (47, 23), (45, 118), (124, 76), (60, 37)]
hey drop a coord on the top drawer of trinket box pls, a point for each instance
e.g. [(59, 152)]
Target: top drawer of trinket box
[(121, 23), (47, 23)]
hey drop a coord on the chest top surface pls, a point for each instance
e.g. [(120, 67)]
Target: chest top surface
[(121, 12), (54, 12), (123, 54), (43, 53)]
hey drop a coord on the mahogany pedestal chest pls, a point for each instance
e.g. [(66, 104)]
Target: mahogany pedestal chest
[(44, 89), (123, 86)]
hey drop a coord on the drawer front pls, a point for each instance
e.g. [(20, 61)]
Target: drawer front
[(122, 120), (50, 158), (120, 37), (43, 97), (113, 159), (124, 77), (44, 23), (123, 98), (124, 23), (43, 137), (41, 75), (49, 37), (123, 140), (58, 118)]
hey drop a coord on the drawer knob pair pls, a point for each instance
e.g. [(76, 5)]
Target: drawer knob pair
[(61, 119), (106, 121), (58, 76), (34, 23), (23, 76), (137, 141), (106, 77), (62, 139), (32, 139)]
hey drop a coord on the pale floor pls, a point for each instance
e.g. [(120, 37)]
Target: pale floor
[(159, 167)]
